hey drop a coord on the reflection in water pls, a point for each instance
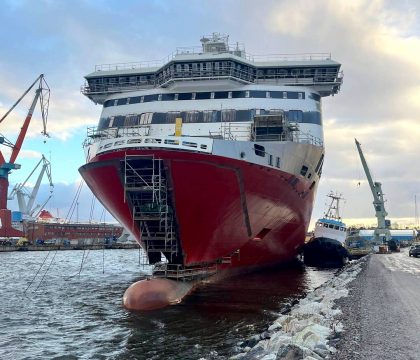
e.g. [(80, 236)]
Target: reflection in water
[(82, 316)]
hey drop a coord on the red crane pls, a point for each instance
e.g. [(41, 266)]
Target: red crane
[(42, 94)]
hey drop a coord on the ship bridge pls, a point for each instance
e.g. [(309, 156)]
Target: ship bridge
[(215, 61)]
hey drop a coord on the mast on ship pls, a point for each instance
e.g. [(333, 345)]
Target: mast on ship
[(333, 211)]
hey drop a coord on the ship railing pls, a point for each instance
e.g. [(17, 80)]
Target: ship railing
[(245, 75), (180, 272), (95, 135), (197, 50), (295, 136), (232, 131)]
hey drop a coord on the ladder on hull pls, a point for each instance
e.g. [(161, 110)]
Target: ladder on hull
[(146, 189)]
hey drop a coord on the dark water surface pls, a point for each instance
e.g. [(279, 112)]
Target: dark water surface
[(71, 316)]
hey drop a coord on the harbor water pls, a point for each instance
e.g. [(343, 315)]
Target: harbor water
[(67, 305)]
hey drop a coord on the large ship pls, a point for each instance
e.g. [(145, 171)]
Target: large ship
[(211, 157)]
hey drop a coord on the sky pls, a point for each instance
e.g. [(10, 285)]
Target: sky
[(376, 41)]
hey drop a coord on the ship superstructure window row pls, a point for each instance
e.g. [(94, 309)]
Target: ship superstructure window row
[(259, 94), (207, 116), (214, 70)]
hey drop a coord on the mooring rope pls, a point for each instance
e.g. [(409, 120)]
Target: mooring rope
[(39, 269), (46, 271)]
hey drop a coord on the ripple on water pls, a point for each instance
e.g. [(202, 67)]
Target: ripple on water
[(68, 316)]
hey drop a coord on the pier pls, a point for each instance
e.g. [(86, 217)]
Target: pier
[(9, 248)]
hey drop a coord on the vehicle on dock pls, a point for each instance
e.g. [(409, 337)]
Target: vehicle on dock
[(414, 250), (357, 246), (326, 247)]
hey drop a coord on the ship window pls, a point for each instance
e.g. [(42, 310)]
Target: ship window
[(185, 96), (203, 96), (176, 97), (109, 103), (295, 116), (267, 94), (300, 96), (243, 115), (115, 102), (119, 121), (193, 96), (336, 227), (295, 72), (103, 123), (341, 229), (212, 95), (160, 97), (257, 94), (312, 117), (142, 99), (331, 226), (270, 160), (171, 117), (191, 117), (168, 97), (284, 94), (304, 170), (310, 175), (247, 94), (228, 115), (211, 116), (159, 118), (135, 100), (230, 95), (149, 98), (221, 95), (276, 94), (259, 150), (277, 162), (239, 94), (326, 225)]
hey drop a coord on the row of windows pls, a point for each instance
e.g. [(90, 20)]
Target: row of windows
[(217, 68), (209, 116), (331, 226), (211, 95)]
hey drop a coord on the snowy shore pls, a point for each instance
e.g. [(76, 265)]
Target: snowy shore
[(310, 329)]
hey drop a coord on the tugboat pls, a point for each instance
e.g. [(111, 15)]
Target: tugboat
[(326, 247)]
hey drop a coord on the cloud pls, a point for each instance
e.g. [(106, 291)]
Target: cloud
[(377, 41)]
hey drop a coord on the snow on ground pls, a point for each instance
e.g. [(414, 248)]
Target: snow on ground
[(402, 262), (305, 330)]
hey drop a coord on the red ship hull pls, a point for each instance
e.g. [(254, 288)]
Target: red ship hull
[(221, 206)]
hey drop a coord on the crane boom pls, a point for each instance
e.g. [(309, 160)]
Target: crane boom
[(27, 207), (43, 95), (382, 232)]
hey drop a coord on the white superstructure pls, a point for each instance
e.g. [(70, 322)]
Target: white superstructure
[(217, 100)]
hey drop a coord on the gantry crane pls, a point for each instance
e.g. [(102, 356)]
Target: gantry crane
[(42, 94), (381, 233), (26, 207)]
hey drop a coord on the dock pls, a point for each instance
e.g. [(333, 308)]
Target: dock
[(10, 248)]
